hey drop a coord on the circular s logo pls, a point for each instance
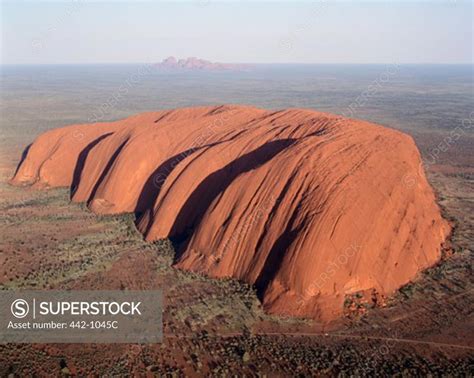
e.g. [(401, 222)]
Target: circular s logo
[(20, 308)]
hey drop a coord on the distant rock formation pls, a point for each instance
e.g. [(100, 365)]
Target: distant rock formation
[(193, 63), (310, 207)]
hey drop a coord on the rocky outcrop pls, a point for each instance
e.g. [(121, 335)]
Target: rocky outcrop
[(196, 64), (308, 206)]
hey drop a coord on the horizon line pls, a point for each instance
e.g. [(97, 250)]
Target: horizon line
[(241, 63)]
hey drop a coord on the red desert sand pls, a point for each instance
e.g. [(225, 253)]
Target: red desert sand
[(308, 206)]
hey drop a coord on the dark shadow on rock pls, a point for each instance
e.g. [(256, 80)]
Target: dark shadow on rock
[(153, 184), (23, 157), (213, 185), (152, 187), (81, 160), (106, 169), (275, 256)]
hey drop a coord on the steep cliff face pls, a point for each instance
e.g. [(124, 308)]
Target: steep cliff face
[(309, 206)]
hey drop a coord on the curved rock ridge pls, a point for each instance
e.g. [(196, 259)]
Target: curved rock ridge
[(308, 206)]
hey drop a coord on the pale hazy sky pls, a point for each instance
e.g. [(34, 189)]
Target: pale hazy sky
[(319, 31)]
